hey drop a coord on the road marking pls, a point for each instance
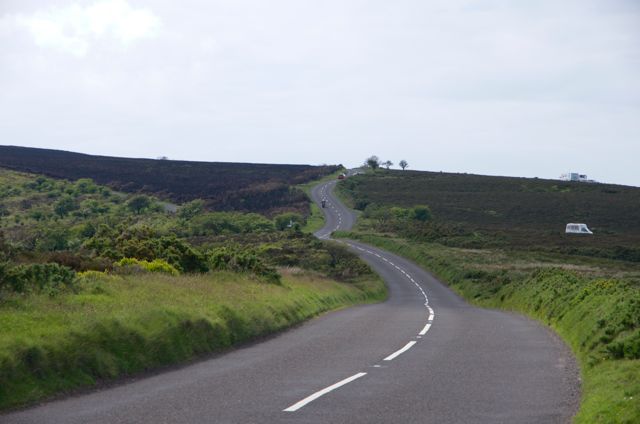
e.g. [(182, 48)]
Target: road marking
[(425, 329), (323, 392), (395, 354), (400, 352)]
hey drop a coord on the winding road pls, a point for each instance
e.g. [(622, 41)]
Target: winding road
[(423, 356)]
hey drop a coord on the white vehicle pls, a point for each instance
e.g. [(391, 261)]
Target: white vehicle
[(577, 229)]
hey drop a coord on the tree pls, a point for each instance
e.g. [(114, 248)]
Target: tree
[(403, 164), (373, 162), (388, 164), (139, 203)]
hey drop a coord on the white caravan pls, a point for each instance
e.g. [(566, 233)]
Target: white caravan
[(578, 229)]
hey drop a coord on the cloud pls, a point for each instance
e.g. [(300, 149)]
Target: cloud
[(75, 29), (516, 88)]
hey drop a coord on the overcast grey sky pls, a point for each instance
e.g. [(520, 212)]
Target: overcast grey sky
[(525, 88)]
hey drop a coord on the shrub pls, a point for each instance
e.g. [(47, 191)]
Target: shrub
[(85, 186), (241, 260), (137, 204), (421, 213), (49, 277), (156, 265), (216, 223), (78, 261), (191, 209), (145, 243), (289, 220), (52, 238), (65, 205)]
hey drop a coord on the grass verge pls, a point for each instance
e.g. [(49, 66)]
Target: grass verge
[(120, 325), (594, 305), (315, 220)]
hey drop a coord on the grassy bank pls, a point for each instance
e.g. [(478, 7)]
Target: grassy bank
[(593, 304), (115, 325)]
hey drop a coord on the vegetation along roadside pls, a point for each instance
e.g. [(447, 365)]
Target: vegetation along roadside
[(586, 289), (97, 284)]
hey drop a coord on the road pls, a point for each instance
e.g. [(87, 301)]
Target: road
[(423, 356)]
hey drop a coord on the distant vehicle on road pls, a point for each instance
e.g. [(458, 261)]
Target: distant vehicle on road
[(324, 203), (577, 229), (342, 176)]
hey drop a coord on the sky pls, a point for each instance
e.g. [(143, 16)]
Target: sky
[(498, 87)]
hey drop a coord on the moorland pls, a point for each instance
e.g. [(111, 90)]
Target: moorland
[(263, 188), (524, 213)]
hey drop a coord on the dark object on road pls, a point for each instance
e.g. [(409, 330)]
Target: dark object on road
[(324, 203)]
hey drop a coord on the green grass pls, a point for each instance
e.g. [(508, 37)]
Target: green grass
[(121, 325), (593, 304), (315, 220)]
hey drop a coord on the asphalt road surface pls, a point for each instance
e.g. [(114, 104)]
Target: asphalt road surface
[(423, 356)]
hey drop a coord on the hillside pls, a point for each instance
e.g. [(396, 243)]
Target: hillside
[(477, 210), (263, 188), (97, 284)]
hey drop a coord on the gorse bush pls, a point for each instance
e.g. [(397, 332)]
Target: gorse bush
[(137, 204), (145, 243), (191, 209), (240, 259), (65, 205), (223, 223), (50, 278), (95, 229), (307, 252), (156, 265), (289, 220)]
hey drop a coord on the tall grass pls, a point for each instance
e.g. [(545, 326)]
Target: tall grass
[(120, 325)]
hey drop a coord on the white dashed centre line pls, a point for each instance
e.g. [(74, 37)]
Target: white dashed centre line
[(401, 351), (395, 354), (425, 329), (323, 392)]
